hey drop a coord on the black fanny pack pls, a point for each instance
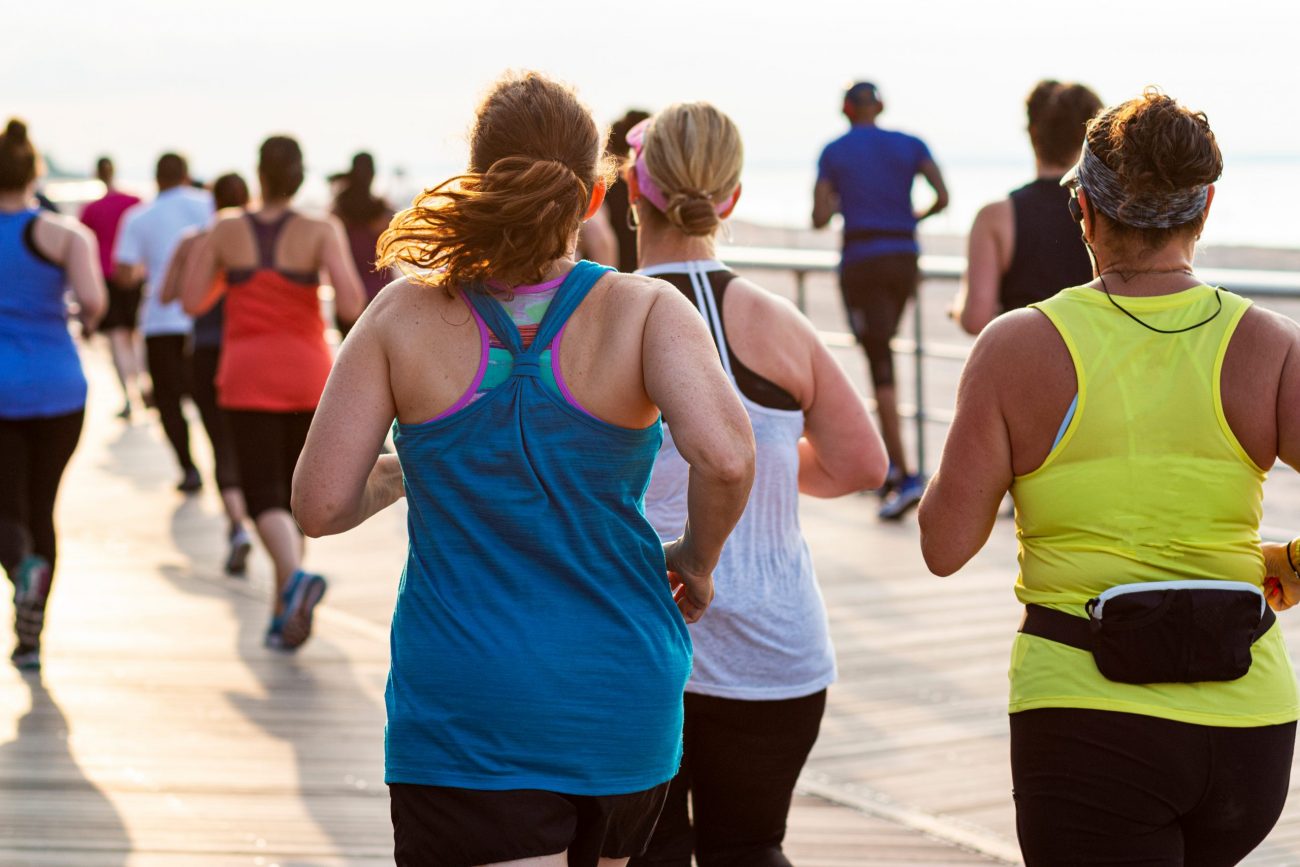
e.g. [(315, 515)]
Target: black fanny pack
[(1163, 631)]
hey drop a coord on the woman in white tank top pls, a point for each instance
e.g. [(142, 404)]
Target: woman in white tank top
[(763, 657)]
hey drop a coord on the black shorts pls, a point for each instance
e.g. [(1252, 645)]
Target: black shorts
[(441, 826), (876, 292), (123, 307)]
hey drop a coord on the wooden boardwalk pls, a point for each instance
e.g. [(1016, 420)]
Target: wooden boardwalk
[(163, 734), (160, 732)]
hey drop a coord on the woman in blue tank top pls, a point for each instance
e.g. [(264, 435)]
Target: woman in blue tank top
[(42, 387), (539, 646)]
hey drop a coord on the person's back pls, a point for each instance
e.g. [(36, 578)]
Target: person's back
[(1132, 419), (872, 171), (104, 217), (866, 175), (530, 556), (1047, 251), (40, 372), (148, 237), (1027, 247)]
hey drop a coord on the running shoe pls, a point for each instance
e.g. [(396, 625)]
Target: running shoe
[(26, 658), (275, 634), (240, 546), (893, 478), (901, 501), (301, 597), (191, 483), (31, 590)]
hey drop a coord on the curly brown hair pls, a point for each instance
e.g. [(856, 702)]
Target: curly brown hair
[(535, 157), (1155, 145)]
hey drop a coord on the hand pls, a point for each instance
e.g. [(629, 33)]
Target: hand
[(1281, 586), (692, 585)]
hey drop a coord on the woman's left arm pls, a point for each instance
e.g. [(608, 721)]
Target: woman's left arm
[(338, 482), (961, 502)]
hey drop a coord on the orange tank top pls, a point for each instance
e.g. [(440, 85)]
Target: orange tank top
[(274, 357)]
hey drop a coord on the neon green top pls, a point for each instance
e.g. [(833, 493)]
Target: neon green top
[(1148, 483)]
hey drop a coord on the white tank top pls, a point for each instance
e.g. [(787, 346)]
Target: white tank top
[(765, 637)]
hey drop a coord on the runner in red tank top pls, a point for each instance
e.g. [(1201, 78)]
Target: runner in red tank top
[(274, 359)]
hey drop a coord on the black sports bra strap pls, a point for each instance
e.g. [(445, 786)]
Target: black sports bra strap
[(265, 235)]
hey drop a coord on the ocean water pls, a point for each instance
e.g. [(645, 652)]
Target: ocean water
[(1253, 203)]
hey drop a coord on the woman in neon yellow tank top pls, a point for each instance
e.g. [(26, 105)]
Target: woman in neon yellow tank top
[(1132, 420)]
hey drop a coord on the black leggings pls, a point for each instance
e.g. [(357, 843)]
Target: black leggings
[(203, 370), (741, 761), (875, 293), (33, 454), (1102, 787), (170, 374), (267, 445)]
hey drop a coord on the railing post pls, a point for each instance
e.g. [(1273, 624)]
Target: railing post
[(918, 355), (801, 292)]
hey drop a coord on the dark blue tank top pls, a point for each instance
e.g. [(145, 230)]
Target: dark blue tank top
[(40, 372), (535, 643), (1049, 254)]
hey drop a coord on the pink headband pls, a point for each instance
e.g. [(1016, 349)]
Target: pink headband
[(647, 185)]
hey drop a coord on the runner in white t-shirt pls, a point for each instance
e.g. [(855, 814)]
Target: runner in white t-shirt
[(144, 248)]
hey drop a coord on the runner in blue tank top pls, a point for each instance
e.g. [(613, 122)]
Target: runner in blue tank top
[(539, 646), (42, 387)]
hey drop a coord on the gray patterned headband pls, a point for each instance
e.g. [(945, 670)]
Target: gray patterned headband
[(1149, 211)]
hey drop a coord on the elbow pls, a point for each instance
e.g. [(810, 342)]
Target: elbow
[(315, 515), (936, 547), (732, 467)]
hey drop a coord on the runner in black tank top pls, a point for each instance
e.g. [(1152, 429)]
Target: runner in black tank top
[(1048, 254), (1027, 247)]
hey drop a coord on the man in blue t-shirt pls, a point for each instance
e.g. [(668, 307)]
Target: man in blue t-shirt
[(866, 175)]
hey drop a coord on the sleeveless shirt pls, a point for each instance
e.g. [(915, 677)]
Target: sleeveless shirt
[(274, 357), (40, 371), (1148, 483), (535, 643), (1048, 252), (766, 636)]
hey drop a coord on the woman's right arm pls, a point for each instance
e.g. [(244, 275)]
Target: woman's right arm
[(199, 288), (684, 378), (986, 261), (74, 247)]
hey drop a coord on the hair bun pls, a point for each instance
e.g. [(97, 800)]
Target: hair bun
[(16, 131)]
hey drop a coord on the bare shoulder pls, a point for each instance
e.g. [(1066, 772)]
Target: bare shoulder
[(409, 302), (1261, 335), (995, 216), (1017, 343), (748, 300), (632, 292), (62, 226)]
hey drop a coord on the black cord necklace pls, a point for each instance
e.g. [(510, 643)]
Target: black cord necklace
[(1104, 288)]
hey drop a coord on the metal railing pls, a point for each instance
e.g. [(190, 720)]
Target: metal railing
[(801, 263)]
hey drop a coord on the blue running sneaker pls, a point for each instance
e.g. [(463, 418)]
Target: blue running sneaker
[(905, 496), (301, 597)]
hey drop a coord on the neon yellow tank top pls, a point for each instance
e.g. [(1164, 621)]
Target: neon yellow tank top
[(1148, 483)]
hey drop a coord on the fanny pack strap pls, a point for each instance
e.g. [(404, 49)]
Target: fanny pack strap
[(1077, 631)]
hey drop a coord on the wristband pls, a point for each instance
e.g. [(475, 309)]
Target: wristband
[(1290, 557)]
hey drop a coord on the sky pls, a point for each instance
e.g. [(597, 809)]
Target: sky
[(135, 77)]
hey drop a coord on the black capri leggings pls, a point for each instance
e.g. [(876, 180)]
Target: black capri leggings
[(741, 761), (1101, 787), (267, 445), (875, 293), (169, 373), (33, 455), (203, 372)]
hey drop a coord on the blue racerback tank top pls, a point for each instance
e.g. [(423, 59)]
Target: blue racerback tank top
[(535, 643), (40, 372)]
